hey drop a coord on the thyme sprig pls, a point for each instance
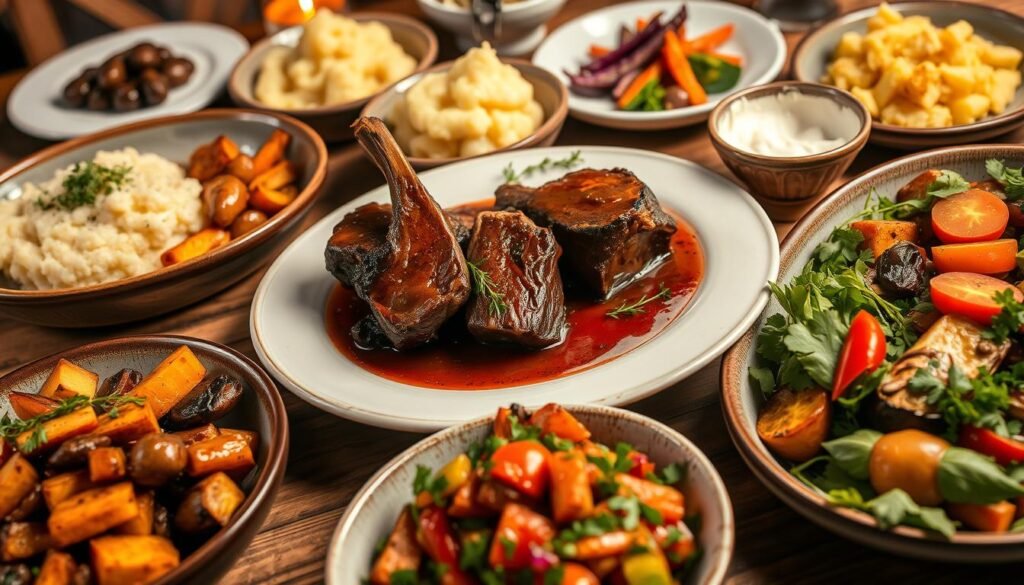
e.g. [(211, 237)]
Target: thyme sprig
[(483, 286), (11, 428), (512, 176), (629, 309)]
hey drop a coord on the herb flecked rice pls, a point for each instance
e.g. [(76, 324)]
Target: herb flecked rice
[(111, 229)]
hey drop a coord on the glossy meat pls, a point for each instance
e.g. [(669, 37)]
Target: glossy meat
[(525, 304), (609, 223), (416, 277)]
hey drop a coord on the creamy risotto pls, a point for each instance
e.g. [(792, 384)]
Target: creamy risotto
[(338, 60), (477, 106), (48, 241)]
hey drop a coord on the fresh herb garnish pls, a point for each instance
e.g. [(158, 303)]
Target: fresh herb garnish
[(1010, 319), (629, 309), (484, 287), (11, 428), (512, 176), (86, 181), (1012, 180), (425, 481)]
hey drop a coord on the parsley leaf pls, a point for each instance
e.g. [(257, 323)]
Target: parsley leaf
[(1012, 180), (966, 476), (1010, 319), (948, 183)]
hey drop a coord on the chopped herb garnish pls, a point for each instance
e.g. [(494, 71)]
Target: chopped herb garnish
[(10, 428), (629, 309), (1009, 321), (426, 482), (483, 286), (86, 181), (512, 176), (1012, 180)]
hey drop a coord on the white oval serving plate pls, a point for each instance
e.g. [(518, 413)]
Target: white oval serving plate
[(36, 105), (756, 39), (287, 321)]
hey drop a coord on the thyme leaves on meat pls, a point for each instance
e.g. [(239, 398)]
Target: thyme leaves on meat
[(86, 181), (11, 428), (513, 176), (637, 307), (484, 287)]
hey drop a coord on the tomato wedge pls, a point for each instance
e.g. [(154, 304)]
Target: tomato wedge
[(439, 542), (995, 257), (971, 216), (969, 295), (863, 351), (524, 466), (987, 442)]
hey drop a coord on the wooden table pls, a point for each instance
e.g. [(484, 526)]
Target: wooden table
[(331, 458)]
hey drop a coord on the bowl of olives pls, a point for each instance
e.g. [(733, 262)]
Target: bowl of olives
[(138, 77)]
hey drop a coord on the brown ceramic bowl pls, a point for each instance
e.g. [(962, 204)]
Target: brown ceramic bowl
[(372, 512), (260, 409), (331, 122), (741, 401), (548, 90), (786, 185), (167, 289), (812, 56)]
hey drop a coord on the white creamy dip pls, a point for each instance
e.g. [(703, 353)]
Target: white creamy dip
[(786, 124)]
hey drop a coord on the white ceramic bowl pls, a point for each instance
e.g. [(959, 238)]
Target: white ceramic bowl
[(373, 511), (522, 23), (757, 40)]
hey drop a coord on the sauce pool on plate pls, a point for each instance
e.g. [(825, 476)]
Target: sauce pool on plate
[(456, 362)]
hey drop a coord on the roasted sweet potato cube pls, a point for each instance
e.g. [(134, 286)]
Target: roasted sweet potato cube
[(400, 553), (58, 569), (227, 453), (271, 152), (58, 488), (192, 436), (210, 160), (107, 464), (27, 406), (268, 200), (92, 512), (210, 503), (194, 246), (132, 560), (171, 381), (277, 176), (57, 430), (143, 523), (23, 540), (67, 380), (7, 451), (880, 235), (131, 423), (251, 438), (17, 479)]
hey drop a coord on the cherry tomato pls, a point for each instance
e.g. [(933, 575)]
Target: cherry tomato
[(969, 295), (793, 423), (971, 216), (642, 465), (995, 257), (523, 466), (438, 540), (863, 351), (987, 442), (908, 460), (518, 529)]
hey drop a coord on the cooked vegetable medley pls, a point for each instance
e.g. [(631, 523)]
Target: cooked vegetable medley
[(538, 501), (656, 67), (92, 490), (894, 376)]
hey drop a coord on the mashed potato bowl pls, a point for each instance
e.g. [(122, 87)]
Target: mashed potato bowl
[(165, 289)]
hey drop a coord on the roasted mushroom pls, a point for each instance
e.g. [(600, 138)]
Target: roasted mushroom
[(209, 401), (900, 270), (28, 505), (120, 383), (157, 458), (75, 452)]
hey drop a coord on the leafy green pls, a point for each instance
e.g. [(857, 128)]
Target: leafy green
[(629, 508), (715, 75), (554, 575), (650, 99), (981, 401), (948, 183), (1010, 319), (426, 481), (404, 577), (966, 476), (1012, 180), (473, 555), (85, 182), (564, 544), (852, 452)]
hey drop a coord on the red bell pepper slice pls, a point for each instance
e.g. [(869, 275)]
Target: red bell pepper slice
[(523, 466), (863, 351), (987, 442), (439, 542)]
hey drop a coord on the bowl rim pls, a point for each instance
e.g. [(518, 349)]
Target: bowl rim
[(1007, 118), (733, 370), (551, 124), (269, 399), (719, 566), (388, 19), (263, 233), (458, 11), (836, 95)]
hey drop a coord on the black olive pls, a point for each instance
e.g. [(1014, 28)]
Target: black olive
[(127, 97), (209, 401), (98, 100), (16, 575), (112, 73), (144, 56), (154, 86), (75, 452), (900, 270), (120, 383), (177, 70), (77, 91)]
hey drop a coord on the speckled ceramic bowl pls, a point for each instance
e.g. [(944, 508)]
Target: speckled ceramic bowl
[(373, 511), (741, 401)]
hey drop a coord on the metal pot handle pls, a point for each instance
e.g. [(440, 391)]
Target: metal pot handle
[(486, 19)]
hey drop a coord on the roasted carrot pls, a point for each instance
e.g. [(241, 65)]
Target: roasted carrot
[(641, 23), (558, 421), (711, 40), (502, 426), (987, 518), (598, 51), (652, 73), (679, 68), (401, 553), (666, 500), (571, 498), (271, 152), (604, 545)]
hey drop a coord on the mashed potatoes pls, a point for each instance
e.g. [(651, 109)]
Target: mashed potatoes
[(910, 73), (118, 236), (338, 60), (477, 106)]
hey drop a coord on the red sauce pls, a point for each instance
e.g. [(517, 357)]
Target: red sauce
[(456, 362)]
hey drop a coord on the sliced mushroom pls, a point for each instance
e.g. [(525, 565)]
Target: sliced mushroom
[(120, 383), (211, 400), (75, 452)]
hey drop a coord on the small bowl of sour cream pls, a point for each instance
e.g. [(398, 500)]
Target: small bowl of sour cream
[(788, 141)]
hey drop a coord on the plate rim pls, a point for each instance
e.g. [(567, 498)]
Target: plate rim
[(341, 407)]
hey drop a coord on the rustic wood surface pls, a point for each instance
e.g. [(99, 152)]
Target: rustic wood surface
[(331, 457)]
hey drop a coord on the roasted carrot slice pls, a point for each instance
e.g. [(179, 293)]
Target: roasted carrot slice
[(271, 152), (196, 245)]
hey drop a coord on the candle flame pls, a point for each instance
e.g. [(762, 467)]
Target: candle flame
[(308, 8)]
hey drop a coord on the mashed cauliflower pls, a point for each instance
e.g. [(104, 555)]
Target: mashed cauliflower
[(477, 106), (118, 236), (338, 60)]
